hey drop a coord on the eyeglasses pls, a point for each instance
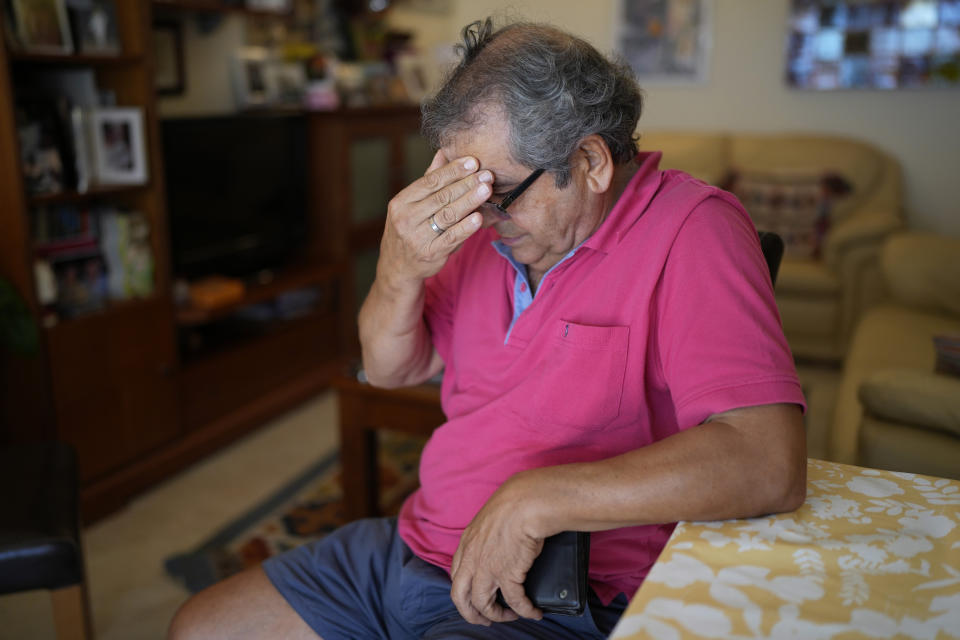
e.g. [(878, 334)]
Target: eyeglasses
[(500, 208)]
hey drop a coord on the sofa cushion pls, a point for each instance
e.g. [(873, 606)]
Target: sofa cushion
[(922, 270), (796, 204), (886, 337), (859, 163), (702, 155), (807, 277), (807, 315), (884, 445), (913, 397)]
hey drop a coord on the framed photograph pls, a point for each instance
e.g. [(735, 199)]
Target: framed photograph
[(94, 26), (116, 135), (42, 26), (412, 71), (170, 77), (254, 81), (667, 41)]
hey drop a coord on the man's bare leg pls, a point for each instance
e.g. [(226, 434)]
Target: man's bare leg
[(243, 607)]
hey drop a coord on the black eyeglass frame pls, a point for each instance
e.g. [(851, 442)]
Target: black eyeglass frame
[(515, 193)]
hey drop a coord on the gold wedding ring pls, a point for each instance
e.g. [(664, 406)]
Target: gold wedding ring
[(437, 228)]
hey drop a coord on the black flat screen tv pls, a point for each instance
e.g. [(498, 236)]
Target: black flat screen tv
[(236, 192)]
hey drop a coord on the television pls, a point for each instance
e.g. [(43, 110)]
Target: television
[(236, 192)]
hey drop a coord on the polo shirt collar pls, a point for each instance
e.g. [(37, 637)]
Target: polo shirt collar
[(635, 197)]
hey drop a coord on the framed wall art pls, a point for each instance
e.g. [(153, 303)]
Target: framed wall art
[(169, 74), (665, 40), (873, 44)]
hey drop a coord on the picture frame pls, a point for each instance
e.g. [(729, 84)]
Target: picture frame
[(665, 41), (117, 138), (254, 81), (873, 45), (412, 70), (94, 23), (42, 26), (169, 72)]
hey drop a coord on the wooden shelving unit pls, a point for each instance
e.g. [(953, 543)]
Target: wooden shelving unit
[(91, 194), (114, 382), (75, 60)]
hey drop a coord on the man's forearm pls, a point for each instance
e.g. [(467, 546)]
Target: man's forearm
[(713, 471), (394, 339)]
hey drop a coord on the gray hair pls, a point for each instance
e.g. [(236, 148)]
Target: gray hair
[(555, 89)]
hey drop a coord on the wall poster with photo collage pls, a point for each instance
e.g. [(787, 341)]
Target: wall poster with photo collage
[(873, 44)]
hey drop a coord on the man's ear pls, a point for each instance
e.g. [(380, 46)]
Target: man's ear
[(598, 163)]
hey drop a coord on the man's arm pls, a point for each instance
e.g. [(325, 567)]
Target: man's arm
[(395, 343), (742, 463)]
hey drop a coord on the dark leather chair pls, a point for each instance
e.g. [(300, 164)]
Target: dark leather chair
[(772, 246), (40, 546)]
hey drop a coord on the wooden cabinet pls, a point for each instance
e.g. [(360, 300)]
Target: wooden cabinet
[(114, 385), (104, 381), (362, 157)]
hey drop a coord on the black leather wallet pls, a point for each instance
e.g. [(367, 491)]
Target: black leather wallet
[(557, 581)]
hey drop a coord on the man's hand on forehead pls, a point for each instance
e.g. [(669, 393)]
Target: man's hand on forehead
[(429, 219)]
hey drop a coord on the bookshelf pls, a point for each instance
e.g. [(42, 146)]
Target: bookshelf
[(105, 379)]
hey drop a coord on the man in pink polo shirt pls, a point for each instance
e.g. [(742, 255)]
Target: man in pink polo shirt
[(612, 362)]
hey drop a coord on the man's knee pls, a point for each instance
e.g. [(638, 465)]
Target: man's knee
[(243, 606), (191, 620)]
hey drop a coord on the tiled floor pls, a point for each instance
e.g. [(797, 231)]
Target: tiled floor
[(134, 599)]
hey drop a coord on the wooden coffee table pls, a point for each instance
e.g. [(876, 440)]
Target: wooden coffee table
[(363, 410)]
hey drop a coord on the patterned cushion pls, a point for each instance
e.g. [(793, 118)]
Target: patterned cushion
[(795, 204)]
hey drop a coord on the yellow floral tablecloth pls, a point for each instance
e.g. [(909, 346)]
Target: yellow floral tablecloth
[(871, 554)]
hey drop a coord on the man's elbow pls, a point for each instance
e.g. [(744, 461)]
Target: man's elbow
[(795, 495), (790, 491)]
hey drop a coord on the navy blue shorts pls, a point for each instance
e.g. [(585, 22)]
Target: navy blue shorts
[(362, 581)]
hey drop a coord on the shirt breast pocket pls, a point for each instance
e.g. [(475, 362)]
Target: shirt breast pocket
[(580, 381)]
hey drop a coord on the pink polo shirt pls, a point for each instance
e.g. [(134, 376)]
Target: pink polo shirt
[(662, 318)]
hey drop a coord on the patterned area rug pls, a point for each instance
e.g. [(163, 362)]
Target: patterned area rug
[(306, 509)]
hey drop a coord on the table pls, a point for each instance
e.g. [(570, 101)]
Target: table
[(871, 554), (363, 410)]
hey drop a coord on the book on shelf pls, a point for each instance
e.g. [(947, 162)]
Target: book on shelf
[(88, 256), (125, 241)]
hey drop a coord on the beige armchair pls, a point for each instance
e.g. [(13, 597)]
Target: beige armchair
[(820, 299), (893, 410)]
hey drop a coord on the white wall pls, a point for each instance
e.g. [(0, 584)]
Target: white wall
[(746, 91)]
